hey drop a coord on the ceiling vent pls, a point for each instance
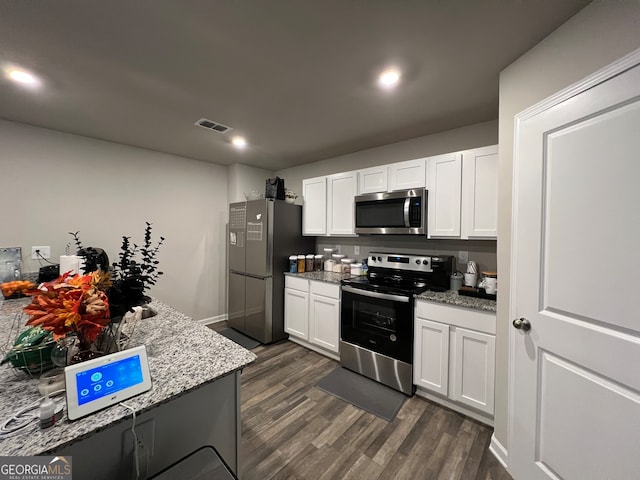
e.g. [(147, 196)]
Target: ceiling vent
[(211, 125)]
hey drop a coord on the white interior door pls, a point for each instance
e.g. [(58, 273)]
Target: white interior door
[(574, 408)]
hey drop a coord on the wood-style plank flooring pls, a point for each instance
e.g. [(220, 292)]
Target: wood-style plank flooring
[(292, 430)]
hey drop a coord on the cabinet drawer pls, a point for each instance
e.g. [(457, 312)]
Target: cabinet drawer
[(484, 322), (297, 283), (331, 290)]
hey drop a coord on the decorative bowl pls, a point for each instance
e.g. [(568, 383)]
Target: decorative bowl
[(253, 195)]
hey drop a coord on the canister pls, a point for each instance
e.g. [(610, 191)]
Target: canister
[(337, 257), (317, 262), (309, 264), (356, 268), (300, 263), (346, 265), (455, 281), (329, 264), (293, 263)]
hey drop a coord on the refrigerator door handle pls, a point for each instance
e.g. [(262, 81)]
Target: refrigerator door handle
[(245, 274)]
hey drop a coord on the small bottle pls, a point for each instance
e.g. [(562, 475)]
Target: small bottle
[(364, 269)]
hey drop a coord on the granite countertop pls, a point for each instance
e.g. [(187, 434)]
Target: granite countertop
[(322, 276), (183, 355), (453, 298), (449, 297)]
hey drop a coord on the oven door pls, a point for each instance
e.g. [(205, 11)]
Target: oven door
[(381, 322)]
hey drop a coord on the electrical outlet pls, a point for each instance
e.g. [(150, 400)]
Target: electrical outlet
[(463, 257), (356, 250), (145, 436), (45, 252)]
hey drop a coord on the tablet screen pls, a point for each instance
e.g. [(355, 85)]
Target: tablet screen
[(108, 379), (104, 381)]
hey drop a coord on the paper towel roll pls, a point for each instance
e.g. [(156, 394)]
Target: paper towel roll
[(70, 263)]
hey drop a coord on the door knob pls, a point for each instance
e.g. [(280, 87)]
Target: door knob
[(522, 324)]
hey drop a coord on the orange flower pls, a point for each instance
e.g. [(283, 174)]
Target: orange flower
[(71, 304)]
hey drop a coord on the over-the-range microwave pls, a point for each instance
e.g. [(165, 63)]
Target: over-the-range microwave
[(402, 212)]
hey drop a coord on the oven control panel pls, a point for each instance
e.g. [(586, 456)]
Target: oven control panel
[(416, 263)]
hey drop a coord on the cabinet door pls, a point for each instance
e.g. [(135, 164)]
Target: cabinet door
[(373, 180), (324, 322), (444, 173), (431, 356), (341, 190), (404, 175), (480, 192), (473, 368), (296, 313), (314, 207)]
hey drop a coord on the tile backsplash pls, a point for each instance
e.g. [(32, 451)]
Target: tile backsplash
[(483, 252)]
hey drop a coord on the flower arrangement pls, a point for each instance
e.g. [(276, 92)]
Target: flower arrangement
[(134, 273), (69, 304)]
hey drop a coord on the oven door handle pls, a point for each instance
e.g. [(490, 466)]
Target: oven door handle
[(382, 296)]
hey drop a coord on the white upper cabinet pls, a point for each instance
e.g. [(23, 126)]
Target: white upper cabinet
[(405, 175), (373, 180), (480, 197), (444, 182), (341, 190), (314, 210), (328, 204), (463, 194)]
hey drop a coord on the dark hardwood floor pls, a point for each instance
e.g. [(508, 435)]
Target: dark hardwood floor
[(292, 430)]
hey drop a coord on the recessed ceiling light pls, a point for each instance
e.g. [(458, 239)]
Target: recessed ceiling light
[(389, 79), (22, 77), (239, 142)]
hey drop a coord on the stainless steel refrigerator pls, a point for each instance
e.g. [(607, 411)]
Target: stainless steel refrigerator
[(262, 235)]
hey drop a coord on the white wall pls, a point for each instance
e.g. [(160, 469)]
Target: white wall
[(598, 35), (478, 135), (54, 183), (244, 178)]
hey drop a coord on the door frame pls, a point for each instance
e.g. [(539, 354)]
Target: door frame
[(600, 76)]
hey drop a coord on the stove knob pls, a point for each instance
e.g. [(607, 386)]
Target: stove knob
[(424, 262), (379, 259), (418, 261)]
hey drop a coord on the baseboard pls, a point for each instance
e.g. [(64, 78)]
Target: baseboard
[(487, 420), (315, 348), (216, 319), (499, 452)]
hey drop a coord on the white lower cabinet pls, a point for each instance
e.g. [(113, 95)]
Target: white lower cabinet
[(431, 362), (473, 368), (296, 308), (312, 314), (454, 357)]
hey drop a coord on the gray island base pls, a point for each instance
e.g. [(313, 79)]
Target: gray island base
[(194, 401)]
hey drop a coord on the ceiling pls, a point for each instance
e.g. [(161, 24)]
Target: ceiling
[(296, 78)]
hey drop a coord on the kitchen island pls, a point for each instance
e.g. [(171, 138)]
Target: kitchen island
[(194, 401)]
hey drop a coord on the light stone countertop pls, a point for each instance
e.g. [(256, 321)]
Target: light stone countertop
[(183, 355), (448, 297), (322, 276), (453, 298)]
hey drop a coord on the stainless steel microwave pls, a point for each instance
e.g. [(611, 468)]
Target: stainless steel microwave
[(402, 212)]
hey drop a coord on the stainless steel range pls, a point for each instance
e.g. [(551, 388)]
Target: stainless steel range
[(376, 334)]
